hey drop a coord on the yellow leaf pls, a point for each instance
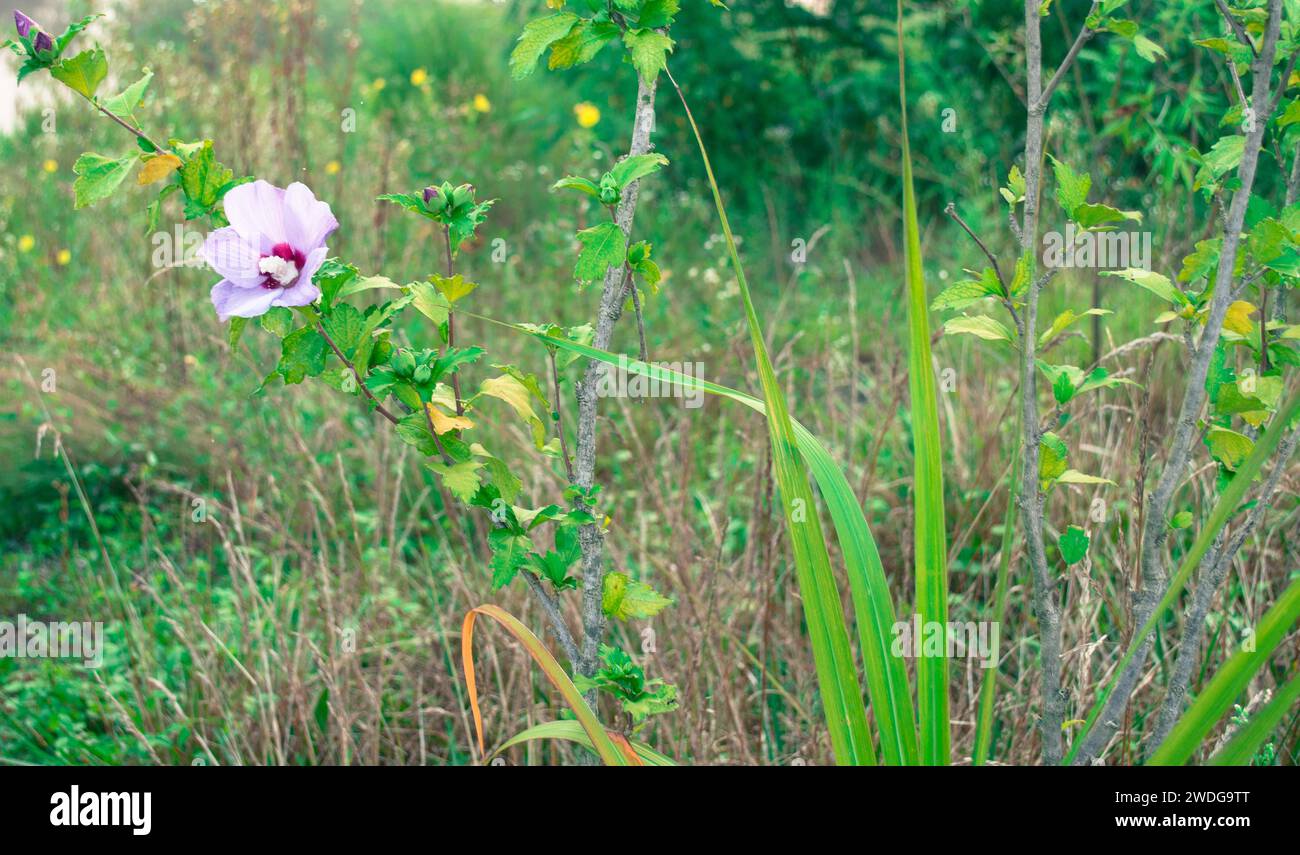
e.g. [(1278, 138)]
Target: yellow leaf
[(516, 394), (443, 423), (1238, 318), (510, 390), (158, 167)]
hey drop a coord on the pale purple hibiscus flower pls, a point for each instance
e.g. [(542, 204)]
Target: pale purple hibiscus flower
[(268, 254)]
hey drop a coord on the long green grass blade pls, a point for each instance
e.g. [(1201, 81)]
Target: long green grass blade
[(837, 681), (571, 731), (886, 675), (1244, 744), (931, 545), (1229, 500), (1229, 682), (984, 715)]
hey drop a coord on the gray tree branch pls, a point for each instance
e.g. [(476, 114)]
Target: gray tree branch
[(1046, 605), (1151, 557), (590, 537), (1214, 569)]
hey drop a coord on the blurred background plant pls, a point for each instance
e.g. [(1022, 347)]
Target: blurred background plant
[(276, 589)]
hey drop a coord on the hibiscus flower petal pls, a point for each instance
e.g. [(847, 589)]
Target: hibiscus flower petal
[(234, 301), (257, 211), (307, 220), (229, 254)]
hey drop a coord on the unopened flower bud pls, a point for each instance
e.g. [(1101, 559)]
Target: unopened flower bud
[(23, 23), (403, 363)]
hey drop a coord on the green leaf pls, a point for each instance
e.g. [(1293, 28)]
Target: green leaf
[(538, 35), (461, 479), (582, 185), (582, 44), (357, 284), (509, 553), (405, 200), (346, 327), (1065, 380), (99, 176), (1202, 261), (1224, 156), (125, 102), (624, 598), (1090, 215), (1156, 283), (1147, 49), (649, 52), (1063, 322), (1073, 545), (1071, 187), (981, 326), (302, 355), (635, 167), (657, 14), (454, 288), (203, 181), (1229, 447), (429, 302), (961, 294), (1181, 520), (1052, 456), (82, 73), (330, 278), (603, 246), (278, 320)]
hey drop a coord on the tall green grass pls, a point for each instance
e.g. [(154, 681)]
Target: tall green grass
[(930, 539)]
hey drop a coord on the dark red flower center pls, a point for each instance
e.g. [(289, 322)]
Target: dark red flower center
[(280, 269)]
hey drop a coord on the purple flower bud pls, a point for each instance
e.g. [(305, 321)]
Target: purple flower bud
[(430, 193), (43, 42), (23, 23)]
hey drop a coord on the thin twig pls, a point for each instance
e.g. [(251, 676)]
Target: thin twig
[(951, 210), (379, 408)]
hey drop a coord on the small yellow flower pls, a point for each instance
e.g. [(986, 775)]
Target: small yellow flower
[(332, 168), (379, 84), (25, 243), (191, 360), (51, 166), (481, 103), (419, 76), (588, 114), (63, 257)]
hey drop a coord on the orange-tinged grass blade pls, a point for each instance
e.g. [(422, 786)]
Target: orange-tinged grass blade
[(609, 752)]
